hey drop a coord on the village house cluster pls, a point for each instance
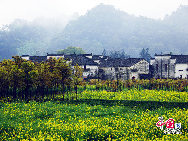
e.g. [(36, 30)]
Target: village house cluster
[(104, 67)]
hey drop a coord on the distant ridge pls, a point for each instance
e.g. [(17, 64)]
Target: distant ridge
[(105, 27), (102, 27)]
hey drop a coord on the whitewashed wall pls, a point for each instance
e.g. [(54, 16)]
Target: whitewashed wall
[(57, 57), (97, 61), (92, 70), (162, 61), (181, 69), (89, 56), (142, 67), (25, 57)]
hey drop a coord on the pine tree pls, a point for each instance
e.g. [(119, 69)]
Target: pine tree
[(104, 53), (145, 54)]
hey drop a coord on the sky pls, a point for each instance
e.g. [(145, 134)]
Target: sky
[(32, 9)]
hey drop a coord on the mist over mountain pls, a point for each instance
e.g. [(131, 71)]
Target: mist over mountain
[(102, 27), (105, 27), (30, 37)]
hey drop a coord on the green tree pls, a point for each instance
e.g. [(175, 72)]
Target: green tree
[(19, 77), (28, 68), (43, 78), (145, 54), (77, 77), (12, 75), (63, 71), (104, 53), (16, 78), (71, 50), (4, 83)]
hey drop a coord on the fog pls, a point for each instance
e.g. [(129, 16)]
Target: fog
[(37, 27), (32, 9)]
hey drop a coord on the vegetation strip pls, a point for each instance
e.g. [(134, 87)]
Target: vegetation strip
[(72, 121)]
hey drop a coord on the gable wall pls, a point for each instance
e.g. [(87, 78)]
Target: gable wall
[(164, 67), (142, 67), (181, 69)]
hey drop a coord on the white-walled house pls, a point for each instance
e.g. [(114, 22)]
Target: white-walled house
[(34, 58), (124, 68), (26, 57), (94, 66), (98, 58), (89, 67), (90, 70), (141, 67), (57, 56), (181, 71), (170, 66)]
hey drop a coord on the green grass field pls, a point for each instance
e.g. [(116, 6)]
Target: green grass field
[(91, 119)]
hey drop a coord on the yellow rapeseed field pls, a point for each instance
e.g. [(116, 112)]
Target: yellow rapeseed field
[(80, 121), (138, 95)]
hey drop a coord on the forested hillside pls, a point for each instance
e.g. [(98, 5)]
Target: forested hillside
[(105, 27), (28, 37), (102, 27)]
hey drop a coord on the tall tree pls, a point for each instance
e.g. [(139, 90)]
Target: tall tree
[(123, 55), (104, 53), (28, 68), (63, 69), (145, 54), (77, 78)]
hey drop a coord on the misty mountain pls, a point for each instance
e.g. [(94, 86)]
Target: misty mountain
[(102, 27), (105, 27), (178, 19), (30, 37)]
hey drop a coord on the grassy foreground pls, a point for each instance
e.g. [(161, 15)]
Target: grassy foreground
[(89, 120)]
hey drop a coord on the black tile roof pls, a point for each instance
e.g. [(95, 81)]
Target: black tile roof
[(69, 54), (80, 60), (25, 55), (163, 54), (96, 57), (84, 54), (117, 62), (105, 57), (38, 58), (55, 54), (180, 59)]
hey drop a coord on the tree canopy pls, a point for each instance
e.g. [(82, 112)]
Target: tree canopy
[(25, 79), (71, 50), (145, 54)]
